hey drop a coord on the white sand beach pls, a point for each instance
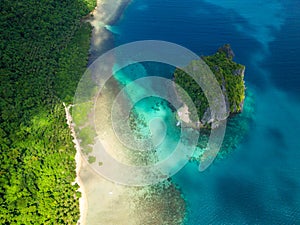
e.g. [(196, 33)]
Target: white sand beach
[(184, 114), (105, 202), (108, 203), (115, 204), (82, 200)]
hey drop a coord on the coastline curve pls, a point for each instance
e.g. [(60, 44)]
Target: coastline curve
[(102, 69)]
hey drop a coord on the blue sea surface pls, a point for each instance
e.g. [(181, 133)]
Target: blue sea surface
[(258, 183)]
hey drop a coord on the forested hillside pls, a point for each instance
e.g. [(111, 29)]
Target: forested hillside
[(230, 76), (44, 49)]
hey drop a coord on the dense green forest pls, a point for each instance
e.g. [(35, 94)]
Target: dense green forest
[(230, 77), (229, 74), (44, 50)]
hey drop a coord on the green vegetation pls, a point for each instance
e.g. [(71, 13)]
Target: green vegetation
[(230, 76), (91, 159), (44, 48)]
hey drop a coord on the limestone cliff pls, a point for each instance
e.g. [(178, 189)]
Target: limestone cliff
[(230, 77)]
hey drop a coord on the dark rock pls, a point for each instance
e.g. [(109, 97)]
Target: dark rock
[(228, 51), (239, 72)]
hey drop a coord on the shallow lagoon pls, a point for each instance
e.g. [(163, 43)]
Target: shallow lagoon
[(257, 183)]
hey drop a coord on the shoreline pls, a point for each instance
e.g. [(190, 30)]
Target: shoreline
[(105, 13), (113, 203), (83, 207), (98, 11), (103, 201)]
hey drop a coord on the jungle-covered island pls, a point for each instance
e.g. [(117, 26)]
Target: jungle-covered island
[(230, 76)]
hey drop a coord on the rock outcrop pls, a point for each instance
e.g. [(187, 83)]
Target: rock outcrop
[(230, 77)]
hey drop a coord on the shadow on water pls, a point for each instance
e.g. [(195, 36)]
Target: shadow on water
[(284, 53), (239, 198), (259, 182)]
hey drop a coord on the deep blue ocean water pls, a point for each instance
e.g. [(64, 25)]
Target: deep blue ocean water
[(258, 183)]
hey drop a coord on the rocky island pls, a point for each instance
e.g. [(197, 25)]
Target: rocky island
[(230, 77)]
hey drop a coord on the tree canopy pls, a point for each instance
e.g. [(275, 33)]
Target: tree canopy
[(229, 74), (44, 50)]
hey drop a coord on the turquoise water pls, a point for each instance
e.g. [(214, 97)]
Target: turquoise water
[(153, 115), (258, 182)]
